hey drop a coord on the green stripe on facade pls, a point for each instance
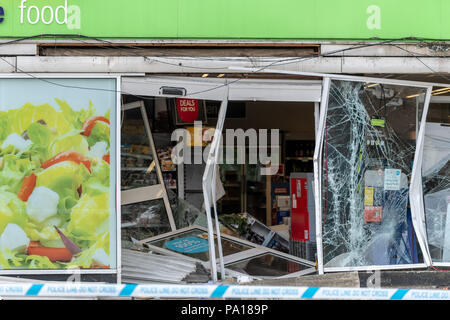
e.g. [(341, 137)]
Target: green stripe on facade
[(237, 19)]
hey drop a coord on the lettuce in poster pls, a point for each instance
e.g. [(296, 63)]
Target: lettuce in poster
[(54, 187)]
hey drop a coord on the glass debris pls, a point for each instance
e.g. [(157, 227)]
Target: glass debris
[(144, 219)]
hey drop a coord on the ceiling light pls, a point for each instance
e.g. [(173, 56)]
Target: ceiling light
[(414, 95), (221, 75), (205, 75), (439, 90)]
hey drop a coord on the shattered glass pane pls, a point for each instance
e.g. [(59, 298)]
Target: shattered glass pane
[(436, 189), (267, 265), (368, 151), (137, 159)]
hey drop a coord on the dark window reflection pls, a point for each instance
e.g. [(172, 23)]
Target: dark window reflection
[(144, 219), (267, 265)]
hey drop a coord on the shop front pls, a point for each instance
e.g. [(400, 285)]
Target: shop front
[(367, 163)]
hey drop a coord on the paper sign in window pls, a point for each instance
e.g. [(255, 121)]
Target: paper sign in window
[(392, 178)]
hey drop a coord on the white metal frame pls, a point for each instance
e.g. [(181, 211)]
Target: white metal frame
[(317, 166), (419, 225), (415, 192), (154, 192), (209, 191), (239, 89), (47, 77), (254, 252)]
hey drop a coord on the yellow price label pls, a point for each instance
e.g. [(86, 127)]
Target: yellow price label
[(368, 196)]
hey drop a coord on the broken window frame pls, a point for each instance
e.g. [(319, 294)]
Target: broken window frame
[(207, 89), (415, 186), (154, 192), (254, 251), (223, 90)]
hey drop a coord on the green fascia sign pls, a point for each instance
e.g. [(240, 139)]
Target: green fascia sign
[(228, 19)]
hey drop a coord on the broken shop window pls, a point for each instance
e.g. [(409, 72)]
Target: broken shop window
[(367, 160)]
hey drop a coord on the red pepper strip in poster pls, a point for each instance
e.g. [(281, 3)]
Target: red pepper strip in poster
[(100, 267), (53, 254), (106, 157), (27, 187), (68, 156), (89, 124)]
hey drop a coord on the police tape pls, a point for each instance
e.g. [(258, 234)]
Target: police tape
[(215, 291)]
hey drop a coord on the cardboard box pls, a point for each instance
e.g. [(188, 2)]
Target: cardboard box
[(281, 215)]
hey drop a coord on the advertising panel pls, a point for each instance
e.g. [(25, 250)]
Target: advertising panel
[(57, 174)]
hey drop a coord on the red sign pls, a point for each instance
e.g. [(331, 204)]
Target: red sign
[(187, 109), (373, 214)]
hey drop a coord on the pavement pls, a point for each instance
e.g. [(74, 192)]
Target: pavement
[(427, 279)]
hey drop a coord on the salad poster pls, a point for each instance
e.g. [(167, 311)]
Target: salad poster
[(57, 176)]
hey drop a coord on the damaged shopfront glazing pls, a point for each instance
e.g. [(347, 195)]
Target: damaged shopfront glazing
[(367, 160)]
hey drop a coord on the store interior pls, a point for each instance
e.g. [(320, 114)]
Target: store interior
[(254, 207), (273, 211)]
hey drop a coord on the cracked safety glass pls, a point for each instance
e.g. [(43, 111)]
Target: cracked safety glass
[(436, 181), (367, 158)]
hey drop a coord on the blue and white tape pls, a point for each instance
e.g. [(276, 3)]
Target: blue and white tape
[(216, 291)]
